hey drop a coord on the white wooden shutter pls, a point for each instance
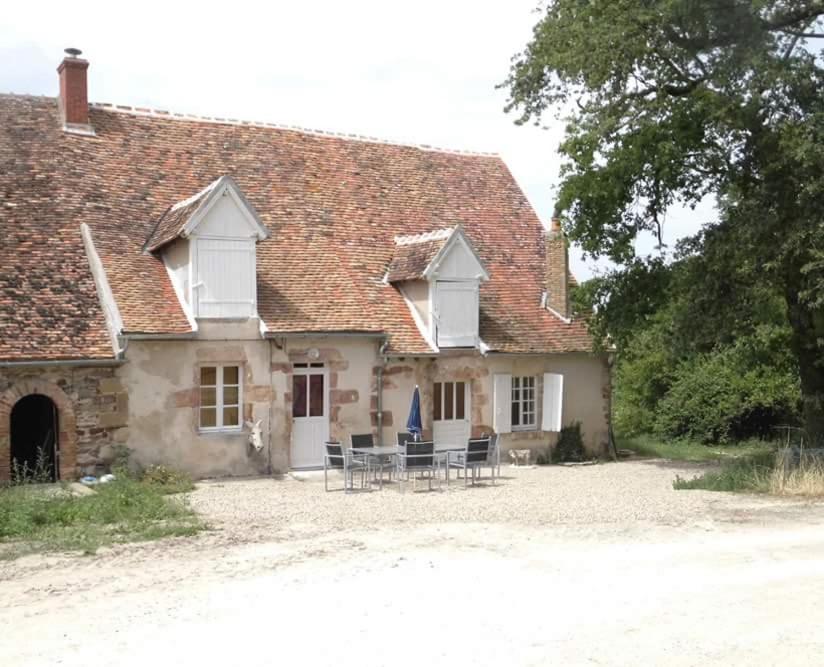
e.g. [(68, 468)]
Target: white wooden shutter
[(225, 277), (457, 313), (553, 402), (502, 403)]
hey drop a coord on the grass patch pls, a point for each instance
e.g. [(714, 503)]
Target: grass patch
[(775, 473), (36, 518), (167, 480), (751, 475), (688, 450), (802, 477)]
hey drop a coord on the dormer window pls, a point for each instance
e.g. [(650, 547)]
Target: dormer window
[(208, 243), (440, 274)]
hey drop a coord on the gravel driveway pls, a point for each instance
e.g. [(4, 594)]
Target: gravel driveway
[(590, 565)]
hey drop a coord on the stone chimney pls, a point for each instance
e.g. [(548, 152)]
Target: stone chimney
[(557, 270), (74, 100)]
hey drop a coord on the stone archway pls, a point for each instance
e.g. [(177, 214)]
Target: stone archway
[(67, 436)]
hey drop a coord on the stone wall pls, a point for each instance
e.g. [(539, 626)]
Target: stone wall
[(93, 413)]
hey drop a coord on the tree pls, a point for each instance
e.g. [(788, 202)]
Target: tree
[(674, 100)]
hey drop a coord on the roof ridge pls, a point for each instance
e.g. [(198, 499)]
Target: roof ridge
[(170, 115), (434, 235)]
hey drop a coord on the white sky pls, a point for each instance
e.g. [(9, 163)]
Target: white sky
[(421, 72)]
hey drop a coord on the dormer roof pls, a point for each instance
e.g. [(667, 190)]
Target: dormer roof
[(421, 256), (182, 218)]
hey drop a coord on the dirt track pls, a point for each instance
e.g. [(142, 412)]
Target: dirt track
[(600, 565)]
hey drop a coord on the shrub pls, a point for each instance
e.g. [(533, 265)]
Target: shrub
[(570, 445), (734, 393), (167, 480), (121, 464)]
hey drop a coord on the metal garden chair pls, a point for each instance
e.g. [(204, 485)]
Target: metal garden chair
[(418, 459), (403, 438), (471, 459), (338, 458), (378, 464)]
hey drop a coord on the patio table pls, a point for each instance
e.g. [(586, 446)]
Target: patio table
[(441, 451), (377, 453)]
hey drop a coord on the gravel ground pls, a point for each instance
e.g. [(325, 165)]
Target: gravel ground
[(601, 564), (621, 495)]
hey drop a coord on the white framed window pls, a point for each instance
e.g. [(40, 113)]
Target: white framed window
[(220, 398), (449, 401), (523, 403)]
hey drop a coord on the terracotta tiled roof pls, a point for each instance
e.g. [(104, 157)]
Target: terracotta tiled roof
[(171, 222), (48, 304), (413, 254), (332, 205)]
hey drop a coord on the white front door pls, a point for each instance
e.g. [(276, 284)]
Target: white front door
[(310, 414), (451, 424)]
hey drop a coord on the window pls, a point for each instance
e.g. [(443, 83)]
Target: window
[(219, 397), (308, 390), (523, 403), (449, 401)]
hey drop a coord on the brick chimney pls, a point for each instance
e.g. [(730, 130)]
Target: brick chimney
[(74, 100), (557, 270)]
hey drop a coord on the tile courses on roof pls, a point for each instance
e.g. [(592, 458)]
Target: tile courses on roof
[(413, 254), (171, 222), (333, 206)]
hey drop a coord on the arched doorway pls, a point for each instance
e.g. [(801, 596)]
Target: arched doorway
[(35, 435)]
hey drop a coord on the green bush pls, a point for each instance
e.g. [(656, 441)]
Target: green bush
[(570, 445), (167, 480), (739, 392)]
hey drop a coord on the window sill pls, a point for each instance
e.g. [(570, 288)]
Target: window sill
[(522, 429), (234, 430)]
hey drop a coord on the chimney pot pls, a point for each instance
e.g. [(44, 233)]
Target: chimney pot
[(74, 100)]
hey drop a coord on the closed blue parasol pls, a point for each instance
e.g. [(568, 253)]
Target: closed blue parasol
[(413, 424)]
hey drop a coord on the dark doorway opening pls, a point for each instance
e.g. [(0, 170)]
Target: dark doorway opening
[(34, 437)]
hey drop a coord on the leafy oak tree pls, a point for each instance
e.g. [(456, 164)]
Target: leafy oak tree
[(675, 100)]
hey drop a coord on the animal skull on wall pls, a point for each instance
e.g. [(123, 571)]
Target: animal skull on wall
[(255, 437)]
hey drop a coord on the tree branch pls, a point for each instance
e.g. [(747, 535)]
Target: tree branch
[(805, 35)]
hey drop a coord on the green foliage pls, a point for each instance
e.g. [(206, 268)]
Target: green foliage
[(674, 100), (44, 519), (122, 461), (731, 394), (714, 362), (570, 445), (167, 480)]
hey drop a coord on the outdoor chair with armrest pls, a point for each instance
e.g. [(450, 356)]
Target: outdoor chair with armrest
[(418, 458), (471, 459), (348, 462), (404, 437), (494, 460), (378, 464)]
